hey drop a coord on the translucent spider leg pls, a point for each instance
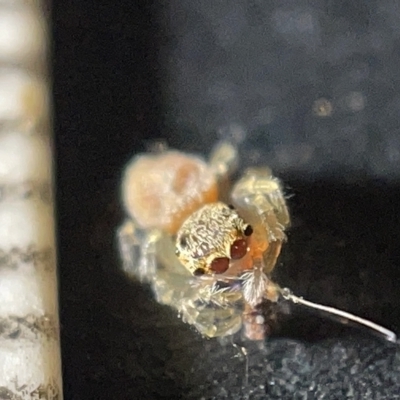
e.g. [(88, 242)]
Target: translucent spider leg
[(224, 159), (259, 197), (137, 249)]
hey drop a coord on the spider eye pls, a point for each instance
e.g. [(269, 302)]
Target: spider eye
[(199, 272), (220, 265), (183, 241), (238, 249), (248, 231)]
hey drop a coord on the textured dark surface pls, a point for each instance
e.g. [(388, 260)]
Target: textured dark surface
[(260, 66)]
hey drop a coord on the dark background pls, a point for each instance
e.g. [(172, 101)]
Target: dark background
[(131, 71)]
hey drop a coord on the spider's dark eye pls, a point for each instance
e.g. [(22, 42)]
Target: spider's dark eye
[(238, 249), (199, 272), (220, 265), (183, 241), (231, 206), (248, 231)]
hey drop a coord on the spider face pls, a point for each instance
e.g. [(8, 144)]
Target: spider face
[(212, 239)]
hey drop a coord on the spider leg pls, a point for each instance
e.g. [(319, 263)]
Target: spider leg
[(259, 197), (212, 312), (137, 249), (224, 159), (254, 325)]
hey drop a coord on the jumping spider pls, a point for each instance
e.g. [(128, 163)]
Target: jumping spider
[(208, 249)]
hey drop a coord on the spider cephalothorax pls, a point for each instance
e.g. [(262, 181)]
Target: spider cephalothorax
[(211, 238)]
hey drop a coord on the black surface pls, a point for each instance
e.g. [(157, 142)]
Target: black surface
[(343, 250)]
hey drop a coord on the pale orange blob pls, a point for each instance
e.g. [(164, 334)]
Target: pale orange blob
[(258, 242), (162, 190)]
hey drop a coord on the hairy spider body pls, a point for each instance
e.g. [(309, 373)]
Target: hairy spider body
[(207, 248), (209, 260)]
